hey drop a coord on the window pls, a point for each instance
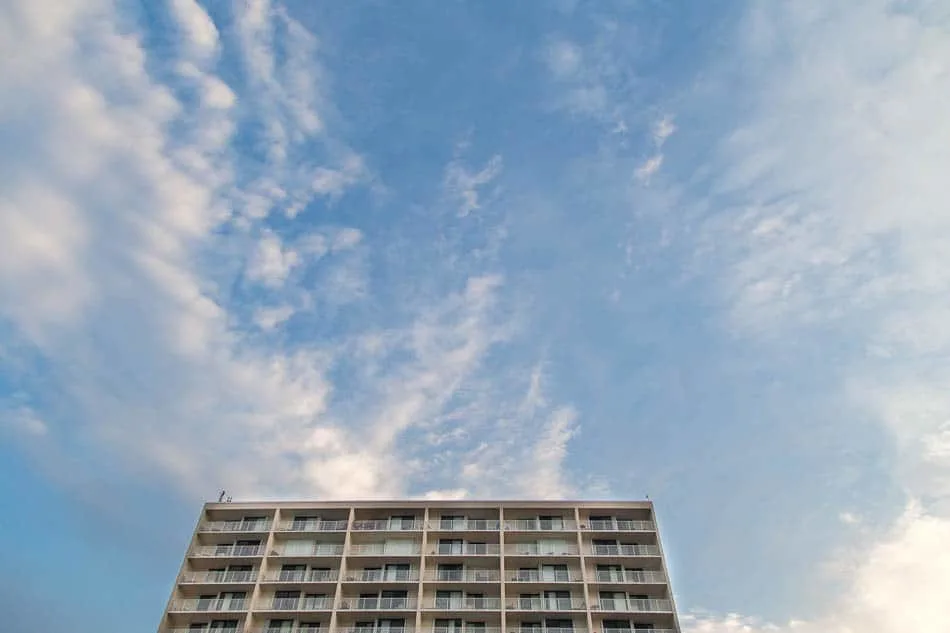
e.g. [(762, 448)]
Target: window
[(254, 524), (224, 626), (478, 548), (397, 571), (399, 546), (238, 573), (528, 600), (394, 600), (391, 625), (605, 546), (299, 547), (450, 546), (291, 573), (448, 599), (280, 626), (609, 573), (616, 626), (552, 546), (305, 523), (612, 600), (602, 522), (448, 626), (320, 574), (527, 574), (557, 600), (452, 522), (404, 522), (313, 601), (551, 522), (286, 599), (559, 625), (555, 573), (450, 572), (475, 627)]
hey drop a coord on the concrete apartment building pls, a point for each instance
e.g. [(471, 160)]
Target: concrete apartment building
[(423, 567)]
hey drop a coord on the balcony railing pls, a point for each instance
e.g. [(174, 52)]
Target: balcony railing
[(534, 549), (278, 628), (208, 604), (534, 575), (382, 549), (218, 577), (378, 629), (621, 525), (466, 629), (315, 549), (237, 628), (630, 577), (467, 549), (304, 603), (465, 604), (383, 575), (297, 525), (549, 629), (387, 525), (540, 525), (262, 525), (546, 604), (302, 575), (640, 631), (635, 605), (465, 525), (378, 604), (226, 551), (624, 550), (462, 575)]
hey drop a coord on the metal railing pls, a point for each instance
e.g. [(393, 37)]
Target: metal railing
[(241, 525), (630, 577), (381, 549), (465, 629), (534, 549), (224, 551), (296, 525), (467, 549), (639, 630), (315, 549), (550, 629), (534, 575), (466, 603), (237, 628), (541, 525), (463, 525), (378, 604), (302, 575), (624, 550), (462, 575), (300, 603), (545, 604), (387, 525), (635, 605), (383, 575), (378, 629), (218, 577), (620, 525), (302, 628), (209, 604)]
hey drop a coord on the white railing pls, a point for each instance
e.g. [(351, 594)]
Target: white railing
[(303, 628), (648, 605), (378, 604), (215, 577), (213, 551), (237, 628), (468, 549), (467, 629), (624, 550), (296, 525), (315, 549), (465, 604), (381, 549), (620, 525), (545, 604), (541, 525), (383, 575), (636, 631), (535, 575), (630, 577), (533, 549), (369, 629), (262, 525), (300, 603), (386, 525), (462, 575), (208, 604), (302, 575), (550, 629), (463, 525)]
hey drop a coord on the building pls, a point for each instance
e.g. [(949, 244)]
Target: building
[(423, 567)]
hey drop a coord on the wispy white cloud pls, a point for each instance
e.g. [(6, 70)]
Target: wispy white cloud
[(463, 185)]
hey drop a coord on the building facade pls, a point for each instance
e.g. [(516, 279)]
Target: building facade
[(423, 567)]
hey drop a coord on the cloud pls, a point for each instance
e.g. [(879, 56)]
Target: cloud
[(272, 261), (662, 130), (463, 185), (648, 168), (563, 58), (200, 33)]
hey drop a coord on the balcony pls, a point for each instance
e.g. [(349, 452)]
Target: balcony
[(466, 629), (379, 604), (305, 550), (634, 605), (631, 577), (219, 577), (464, 604), (310, 525), (535, 549), (262, 525), (550, 629), (378, 629), (535, 575), (208, 605), (387, 525), (465, 525), (620, 525), (640, 631), (546, 604), (226, 551), (304, 603), (384, 549), (300, 628), (383, 575), (540, 525), (238, 628), (624, 550), (302, 575), (465, 549), (462, 575)]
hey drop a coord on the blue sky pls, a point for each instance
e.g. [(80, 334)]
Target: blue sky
[(453, 249)]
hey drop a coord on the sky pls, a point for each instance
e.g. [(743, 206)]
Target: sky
[(480, 249)]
